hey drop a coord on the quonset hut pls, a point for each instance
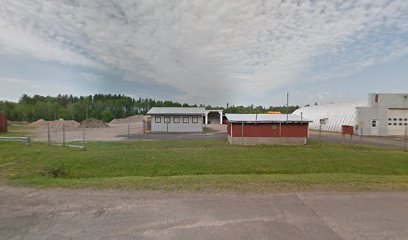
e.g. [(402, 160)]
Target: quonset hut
[(386, 114), (249, 129)]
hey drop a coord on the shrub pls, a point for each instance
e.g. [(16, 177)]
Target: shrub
[(54, 172)]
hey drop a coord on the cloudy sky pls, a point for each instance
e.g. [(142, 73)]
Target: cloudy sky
[(205, 51)]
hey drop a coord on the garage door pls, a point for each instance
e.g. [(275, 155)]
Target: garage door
[(397, 121)]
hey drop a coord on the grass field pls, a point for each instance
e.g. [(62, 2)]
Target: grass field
[(205, 165), (18, 131)]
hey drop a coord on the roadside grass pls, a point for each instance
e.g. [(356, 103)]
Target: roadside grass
[(205, 165)]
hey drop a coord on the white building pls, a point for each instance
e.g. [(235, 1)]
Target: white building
[(384, 114), (177, 119)]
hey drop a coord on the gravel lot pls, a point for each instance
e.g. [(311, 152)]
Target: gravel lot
[(391, 141), (118, 132), (110, 214)]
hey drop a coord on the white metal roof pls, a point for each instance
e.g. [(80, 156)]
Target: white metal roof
[(338, 114), (176, 111), (265, 118)]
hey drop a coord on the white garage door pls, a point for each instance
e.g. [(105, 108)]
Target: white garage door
[(397, 121)]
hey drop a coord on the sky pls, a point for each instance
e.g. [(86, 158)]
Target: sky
[(205, 51)]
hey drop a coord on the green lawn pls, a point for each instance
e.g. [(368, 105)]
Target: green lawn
[(205, 165), (18, 131)]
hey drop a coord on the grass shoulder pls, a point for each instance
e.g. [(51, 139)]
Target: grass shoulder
[(205, 165)]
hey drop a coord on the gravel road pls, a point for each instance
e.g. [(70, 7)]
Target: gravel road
[(110, 214)]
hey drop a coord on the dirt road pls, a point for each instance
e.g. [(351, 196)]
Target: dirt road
[(95, 214)]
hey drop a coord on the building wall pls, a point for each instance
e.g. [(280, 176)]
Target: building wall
[(383, 109), (268, 130), (337, 115), (173, 126), (3, 123), (266, 140)]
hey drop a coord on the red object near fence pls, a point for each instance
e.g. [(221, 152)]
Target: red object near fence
[(346, 129), (3, 123)]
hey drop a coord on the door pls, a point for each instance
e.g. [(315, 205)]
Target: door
[(374, 126)]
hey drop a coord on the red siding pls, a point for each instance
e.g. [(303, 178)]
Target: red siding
[(3, 123), (347, 129), (266, 130)]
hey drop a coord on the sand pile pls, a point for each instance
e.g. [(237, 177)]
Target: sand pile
[(55, 123), (94, 123), (131, 119)]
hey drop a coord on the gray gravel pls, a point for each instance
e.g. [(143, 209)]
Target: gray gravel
[(389, 141), (109, 214)]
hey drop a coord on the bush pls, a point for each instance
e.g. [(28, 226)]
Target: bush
[(54, 172)]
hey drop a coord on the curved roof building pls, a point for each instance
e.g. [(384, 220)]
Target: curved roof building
[(384, 114), (337, 115)]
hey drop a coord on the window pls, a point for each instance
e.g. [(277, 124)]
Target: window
[(400, 124), (389, 123), (176, 119), (395, 119), (167, 119), (157, 119), (373, 123), (186, 120), (195, 120), (405, 119), (400, 119), (395, 124), (405, 124), (389, 119)]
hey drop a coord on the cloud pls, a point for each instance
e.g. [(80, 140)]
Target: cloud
[(209, 50)]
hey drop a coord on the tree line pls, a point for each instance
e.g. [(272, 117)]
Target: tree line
[(105, 107)]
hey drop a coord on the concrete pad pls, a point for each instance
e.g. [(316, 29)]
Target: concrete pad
[(107, 214)]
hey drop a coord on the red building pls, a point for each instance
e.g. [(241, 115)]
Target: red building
[(249, 129), (3, 122)]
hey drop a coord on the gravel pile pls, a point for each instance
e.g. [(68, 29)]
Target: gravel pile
[(94, 123), (55, 123), (131, 119)]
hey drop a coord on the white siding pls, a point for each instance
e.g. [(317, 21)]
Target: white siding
[(380, 108), (337, 114), (180, 126)]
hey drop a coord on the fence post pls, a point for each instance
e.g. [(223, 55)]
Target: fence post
[(320, 132), (242, 134), (361, 135), (128, 138), (83, 137), (63, 134), (48, 133), (405, 138)]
